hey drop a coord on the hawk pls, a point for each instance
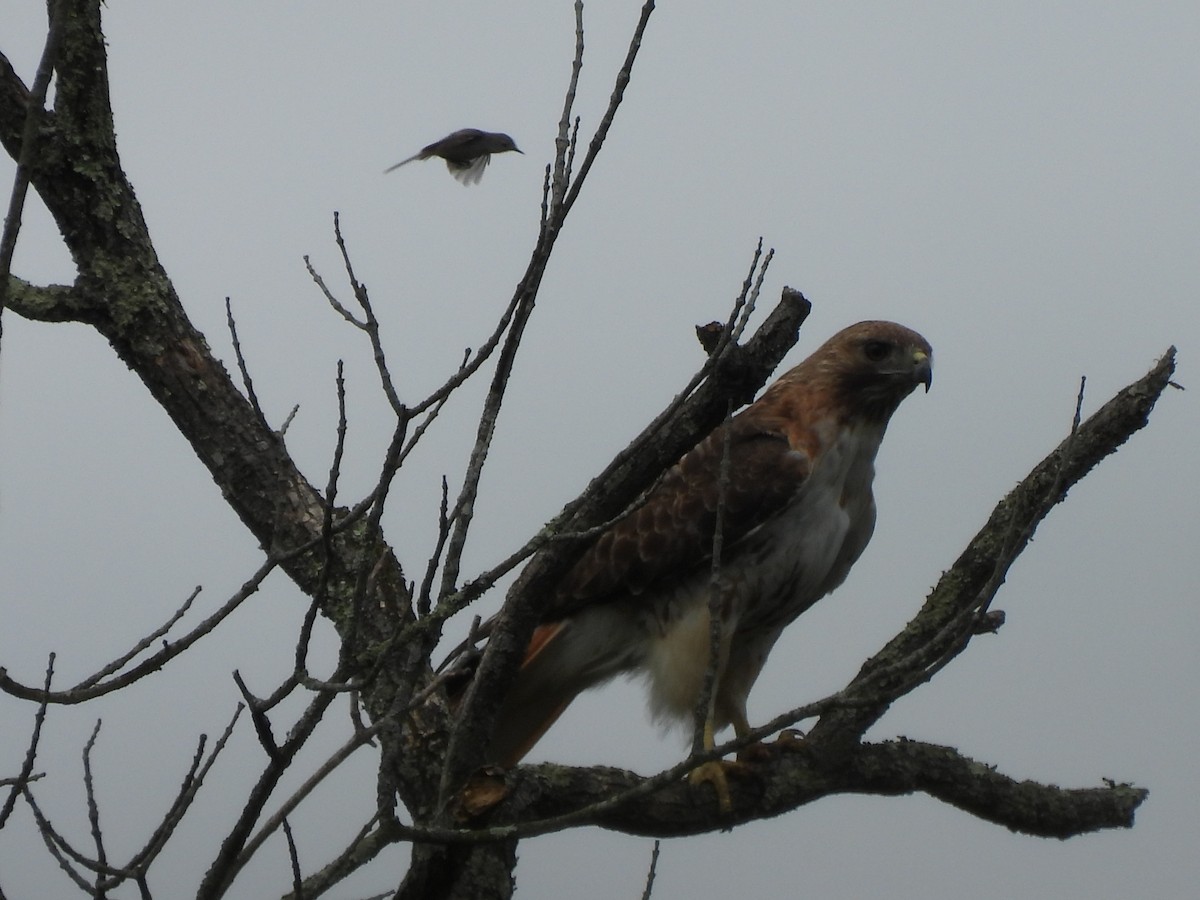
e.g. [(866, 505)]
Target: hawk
[(466, 152), (797, 511)]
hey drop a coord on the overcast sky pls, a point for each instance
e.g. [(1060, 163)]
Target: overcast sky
[(1018, 181)]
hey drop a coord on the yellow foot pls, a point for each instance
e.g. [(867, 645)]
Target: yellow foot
[(716, 772)]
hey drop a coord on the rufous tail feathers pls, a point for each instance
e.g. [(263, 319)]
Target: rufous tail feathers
[(538, 697)]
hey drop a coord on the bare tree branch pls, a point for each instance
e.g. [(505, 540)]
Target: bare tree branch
[(247, 382), (47, 303), (652, 872), (226, 865), (791, 780), (360, 739), (982, 565), (34, 111), (107, 875), (105, 681), (92, 807), (26, 775)]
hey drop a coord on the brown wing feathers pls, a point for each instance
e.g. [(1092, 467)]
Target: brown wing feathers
[(671, 534), (667, 538)]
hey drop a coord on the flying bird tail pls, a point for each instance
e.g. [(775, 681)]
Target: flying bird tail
[(403, 162)]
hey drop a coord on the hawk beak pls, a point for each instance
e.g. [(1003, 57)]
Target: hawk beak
[(923, 369)]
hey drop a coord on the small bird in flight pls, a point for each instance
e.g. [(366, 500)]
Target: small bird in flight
[(466, 152)]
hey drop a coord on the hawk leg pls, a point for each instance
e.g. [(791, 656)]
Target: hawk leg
[(716, 771)]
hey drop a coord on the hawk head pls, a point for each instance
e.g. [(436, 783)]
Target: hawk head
[(864, 371)]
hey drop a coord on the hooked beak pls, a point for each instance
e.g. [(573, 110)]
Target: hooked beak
[(923, 369)]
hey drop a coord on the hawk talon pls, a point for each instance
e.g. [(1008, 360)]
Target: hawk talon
[(716, 772)]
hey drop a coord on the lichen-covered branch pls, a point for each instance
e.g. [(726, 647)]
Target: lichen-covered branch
[(46, 303), (542, 799), (1041, 810)]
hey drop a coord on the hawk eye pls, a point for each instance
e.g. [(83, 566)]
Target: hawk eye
[(876, 350)]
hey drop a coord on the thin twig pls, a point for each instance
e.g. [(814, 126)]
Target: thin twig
[(258, 717), (193, 780), (443, 533), (224, 868), (752, 294), (333, 301), (372, 324), (653, 871), (614, 101), (26, 773), (243, 368), (288, 421), (57, 845), (358, 740), (422, 427), (34, 111), (108, 876), (371, 538), (92, 807), (564, 156), (703, 712), (294, 857), (372, 838), (331, 488), (94, 686), (120, 662)]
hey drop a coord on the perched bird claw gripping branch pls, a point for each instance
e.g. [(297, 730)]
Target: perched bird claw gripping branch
[(466, 152), (797, 511)]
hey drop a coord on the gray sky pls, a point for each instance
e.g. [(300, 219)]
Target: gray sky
[(1017, 181)]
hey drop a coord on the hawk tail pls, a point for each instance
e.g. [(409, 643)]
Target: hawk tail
[(563, 659), (537, 698)]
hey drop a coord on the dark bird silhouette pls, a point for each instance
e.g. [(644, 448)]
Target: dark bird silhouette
[(466, 152)]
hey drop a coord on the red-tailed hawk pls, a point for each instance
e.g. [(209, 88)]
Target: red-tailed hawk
[(798, 511)]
